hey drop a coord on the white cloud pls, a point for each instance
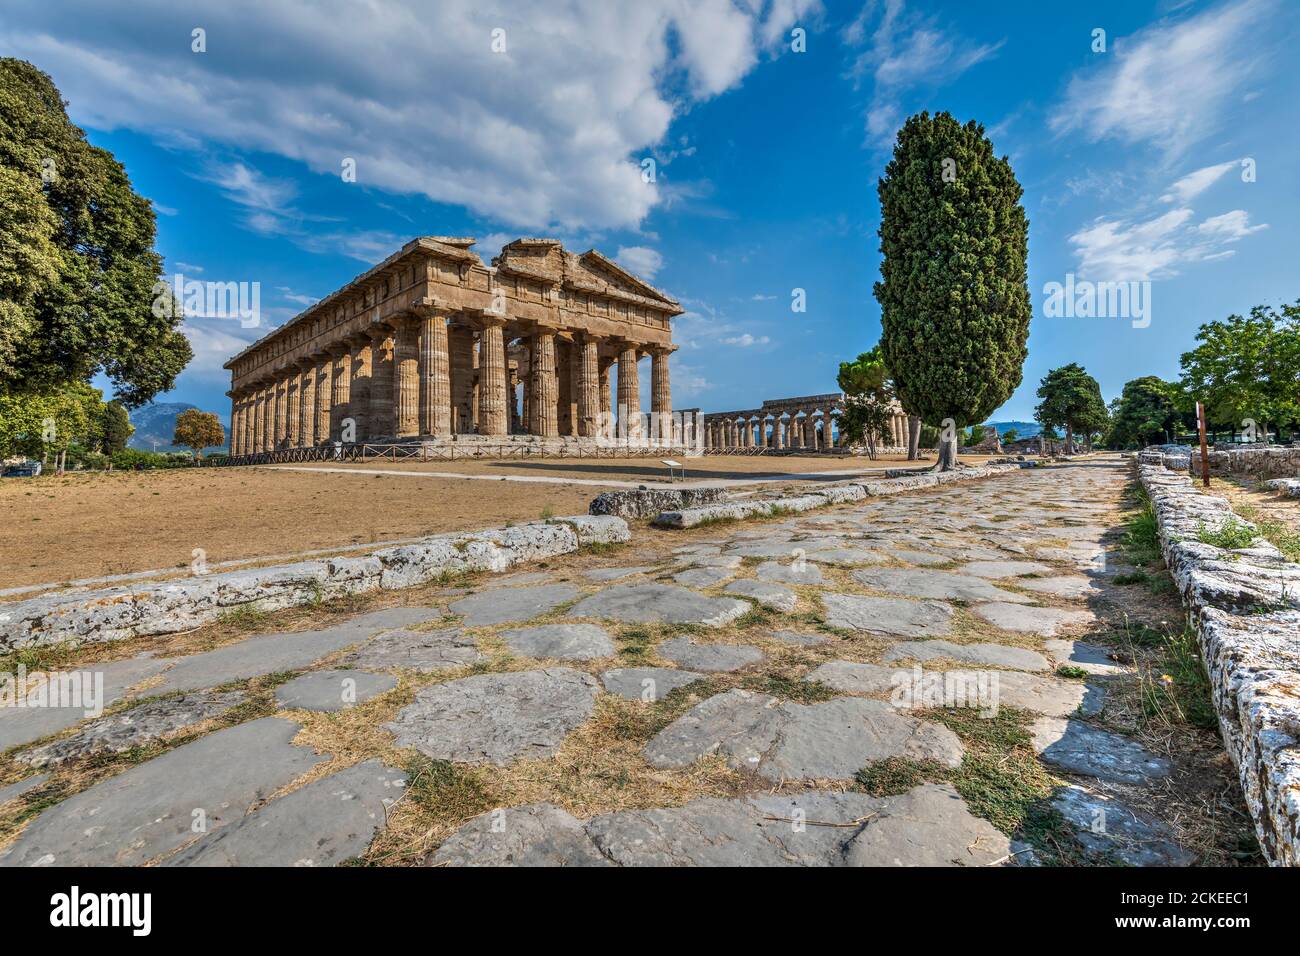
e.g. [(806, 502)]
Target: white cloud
[(1195, 183), (904, 51), (1169, 84), (1117, 250), (547, 134), (759, 297), (641, 261), (746, 340)]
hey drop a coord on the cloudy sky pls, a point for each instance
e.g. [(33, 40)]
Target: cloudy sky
[(1171, 156)]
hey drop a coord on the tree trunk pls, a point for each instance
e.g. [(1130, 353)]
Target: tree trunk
[(1069, 439), (913, 437), (947, 454), (58, 463)]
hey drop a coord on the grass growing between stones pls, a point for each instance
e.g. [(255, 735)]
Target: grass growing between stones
[(1000, 779)]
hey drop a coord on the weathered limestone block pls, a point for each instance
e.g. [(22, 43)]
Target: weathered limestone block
[(121, 612), (645, 502), (1246, 607)]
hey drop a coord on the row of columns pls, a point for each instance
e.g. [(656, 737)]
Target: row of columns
[(785, 433), (898, 430), (421, 376)]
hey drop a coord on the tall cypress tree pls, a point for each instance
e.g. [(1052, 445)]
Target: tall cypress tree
[(953, 294)]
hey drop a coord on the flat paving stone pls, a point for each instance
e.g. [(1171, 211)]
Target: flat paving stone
[(929, 825), (537, 834), (887, 615), (845, 556), (515, 604), (713, 658), (802, 572), (1031, 619), (565, 642), (921, 583), (995, 655), (15, 790), (613, 574), (1111, 831), (149, 810), (272, 653), (646, 684), (782, 741), (1080, 748), (422, 651), (152, 720), (1066, 586), (1004, 569), (799, 640), (1048, 695), (496, 718), (323, 823), (766, 593), (713, 560), (851, 677), (21, 725), (659, 604), (702, 577), (515, 580), (332, 690), (920, 557), (1088, 657)]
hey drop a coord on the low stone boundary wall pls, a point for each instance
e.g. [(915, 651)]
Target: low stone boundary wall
[(1288, 486), (645, 502), (828, 495), (117, 613), (1245, 606), (1264, 462)]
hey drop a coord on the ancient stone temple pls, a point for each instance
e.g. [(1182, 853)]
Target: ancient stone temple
[(433, 346), (806, 423)]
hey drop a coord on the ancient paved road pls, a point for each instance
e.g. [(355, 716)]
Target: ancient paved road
[(791, 692)]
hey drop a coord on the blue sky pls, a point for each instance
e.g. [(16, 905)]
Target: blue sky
[(766, 159)]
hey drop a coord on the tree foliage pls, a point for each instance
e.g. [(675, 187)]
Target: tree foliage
[(953, 294), (1146, 413), (1246, 368), (869, 399), (1071, 398), (198, 430), (77, 263)]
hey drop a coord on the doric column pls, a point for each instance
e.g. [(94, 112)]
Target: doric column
[(629, 395), (661, 395), (340, 392), (259, 421), (435, 374), (281, 432), (589, 387), (246, 437), (543, 417), (307, 406), (460, 344), (361, 361), (492, 377), (606, 399), (381, 383), (406, 378), (233, 444), (322, 371), (291, 414), (778, 433), (828, 421)]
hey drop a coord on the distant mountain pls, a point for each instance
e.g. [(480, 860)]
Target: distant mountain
[(155, 424), (1023, 429)]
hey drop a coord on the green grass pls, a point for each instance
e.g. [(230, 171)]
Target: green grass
[(1278, 534), (1070, 672), (446, 790), (1177, 689), (1132, 577), (1231, 535)]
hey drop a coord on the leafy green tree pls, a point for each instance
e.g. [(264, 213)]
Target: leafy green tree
[(115, 428), (77, 264), (198, 430), (953, 294), (1009, 436), (1070, 397), (868, 399), (1245, 368), (1146, 413)]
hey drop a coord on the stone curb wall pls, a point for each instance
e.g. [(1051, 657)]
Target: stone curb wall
[(827, 495), (117, 613), (1245, 606), (645, 502), (1264, 462)]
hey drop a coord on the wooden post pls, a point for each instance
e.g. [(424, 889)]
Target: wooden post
[(1205, 453)]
